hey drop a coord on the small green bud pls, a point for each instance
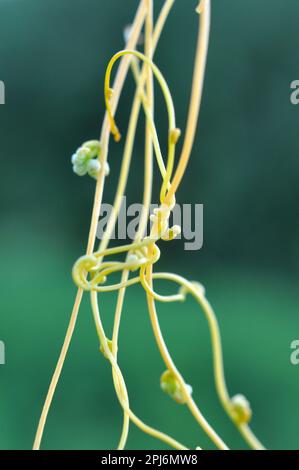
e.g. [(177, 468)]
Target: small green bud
[(133, 261), (80, 169), (94, 147), (174, 135), (74, 158), (93, 168), (171, 386), (172, 233), (241, 411), (82, 155)]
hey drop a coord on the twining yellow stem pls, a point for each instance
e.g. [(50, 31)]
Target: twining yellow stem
[(172, 368), (204, 11), (147, 178), (250, 437), (115, 131), (148, 165), (219, 375), (172, 143), (118, 84), (150, 120), (116, 207), (103, 340), (146, 200), (194, 109), (123, 179), (158, 75), (197, 292), (132, 128), (146, 250), (111, 223), (146, 272), (174, 133), (57, 372), (131, 132), (153, 294)]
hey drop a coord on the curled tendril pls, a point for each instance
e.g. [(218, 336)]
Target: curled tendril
[(83, 265), (139, 255), (92, 272), (174, 132), (160, 220), (98, 270)]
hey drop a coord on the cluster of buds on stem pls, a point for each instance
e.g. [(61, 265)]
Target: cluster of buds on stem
[(86, 160), (160, 220)]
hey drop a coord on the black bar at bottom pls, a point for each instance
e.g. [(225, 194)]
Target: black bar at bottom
[(134, 459)]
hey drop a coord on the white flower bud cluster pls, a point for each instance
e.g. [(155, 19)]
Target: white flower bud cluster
[(160, 220), (85, 160)]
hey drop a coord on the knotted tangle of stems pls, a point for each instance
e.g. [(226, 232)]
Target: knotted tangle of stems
[(91, 272)]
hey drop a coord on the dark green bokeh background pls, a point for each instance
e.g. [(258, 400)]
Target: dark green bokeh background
[(244, 169)]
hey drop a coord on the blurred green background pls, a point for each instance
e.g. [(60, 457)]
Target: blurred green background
[(244, 169)]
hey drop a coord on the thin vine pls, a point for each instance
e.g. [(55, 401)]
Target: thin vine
[(135, 262)]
